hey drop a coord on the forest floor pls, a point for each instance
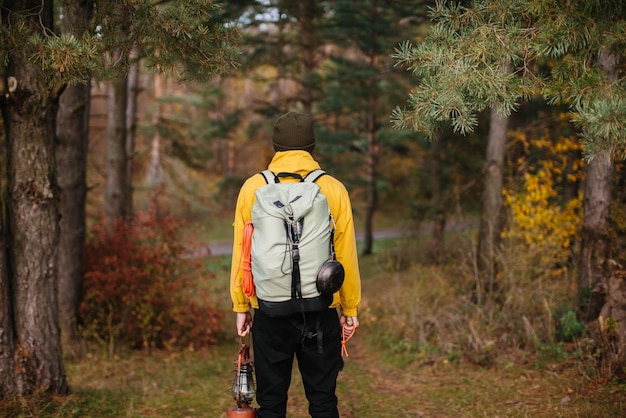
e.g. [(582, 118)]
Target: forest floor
[(373, 386), (381, 379), (375, 383), (378, 381)]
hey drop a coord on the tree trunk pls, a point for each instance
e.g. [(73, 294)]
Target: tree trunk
[(490, 216), (372, 193), (615, 305), (155, 169), (115, 197), (594, 245), (29, 115), (594, 249), (131, 129), (7, 343), (116, 168), (277, 100), (373, 146), (71, 151), (439, 218), (72, 136), (307, 12)]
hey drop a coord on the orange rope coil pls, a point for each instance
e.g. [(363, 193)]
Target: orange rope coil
[(245, 261)]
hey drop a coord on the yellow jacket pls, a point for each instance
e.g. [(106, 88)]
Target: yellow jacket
[(301, 162)]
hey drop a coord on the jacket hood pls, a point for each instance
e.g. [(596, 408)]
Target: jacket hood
[(300, 162)]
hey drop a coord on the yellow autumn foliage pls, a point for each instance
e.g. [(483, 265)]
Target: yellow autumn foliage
[(542, 226), (539, 222)]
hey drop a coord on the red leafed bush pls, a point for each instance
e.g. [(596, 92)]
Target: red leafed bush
[(141, 291)]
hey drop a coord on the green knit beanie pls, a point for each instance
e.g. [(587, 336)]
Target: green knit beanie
[(294, 131)]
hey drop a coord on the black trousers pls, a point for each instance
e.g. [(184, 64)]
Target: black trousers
[(315, 340)]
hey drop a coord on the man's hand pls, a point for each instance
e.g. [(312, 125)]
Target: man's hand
[(244, 323), (349, 324), (350, 321)]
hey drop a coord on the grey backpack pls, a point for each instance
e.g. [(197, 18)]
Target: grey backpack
[(292, 238)]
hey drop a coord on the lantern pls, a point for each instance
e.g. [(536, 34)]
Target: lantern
[(243, 388)]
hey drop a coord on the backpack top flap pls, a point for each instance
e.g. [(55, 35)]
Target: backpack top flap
[(288, 201)]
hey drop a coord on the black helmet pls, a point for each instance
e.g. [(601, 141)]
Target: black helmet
[(330, 277)]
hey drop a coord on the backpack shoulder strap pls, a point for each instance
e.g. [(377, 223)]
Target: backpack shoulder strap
[(269, 176), (314, 175)]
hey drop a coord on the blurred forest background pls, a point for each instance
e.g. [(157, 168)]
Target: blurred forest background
[(486, 138)]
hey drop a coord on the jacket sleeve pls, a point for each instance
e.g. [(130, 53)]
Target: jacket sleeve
[(349, 296)]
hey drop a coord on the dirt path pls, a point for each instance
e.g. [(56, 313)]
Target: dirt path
[(391, 389), (374, 388), (366, 389)]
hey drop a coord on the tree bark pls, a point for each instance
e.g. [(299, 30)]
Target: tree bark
[(439, 214), (373, 145), (490, 216), (594, 249), (307, 12), (72, 134), (131, 128), (372, 193), (594, 246), (116, 168), (29, 115), (154, 175), (115, 197), (277, 100), (615, 304), (7, 343), (71, 151)]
